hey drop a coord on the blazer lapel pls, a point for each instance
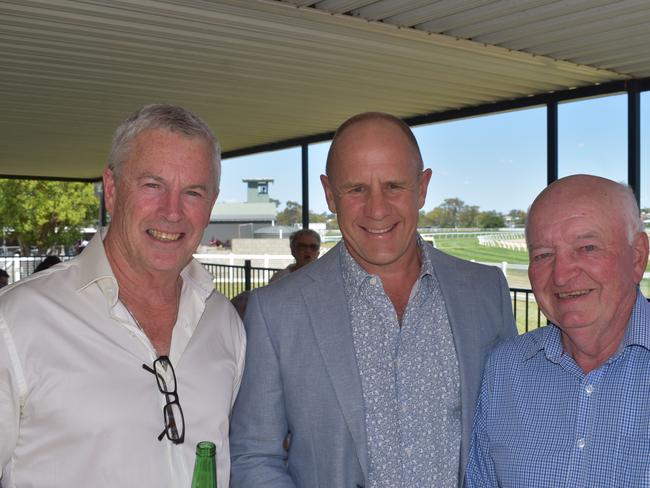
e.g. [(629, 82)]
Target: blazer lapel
[(457, 289), (329, 318), (460, 311)]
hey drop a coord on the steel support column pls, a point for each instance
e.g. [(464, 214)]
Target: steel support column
[(634, 139), (551, 143), (305, 185)]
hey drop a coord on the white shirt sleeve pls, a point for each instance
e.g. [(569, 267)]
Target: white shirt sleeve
[(12, 389)]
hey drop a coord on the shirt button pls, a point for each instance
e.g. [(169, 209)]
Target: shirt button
[(589, 389), (581, 443), (408, 451), (373, 281)]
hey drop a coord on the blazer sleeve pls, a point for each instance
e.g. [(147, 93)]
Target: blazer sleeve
[(509, 327), (259, 422)]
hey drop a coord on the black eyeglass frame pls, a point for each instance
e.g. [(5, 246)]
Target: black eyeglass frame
[(171, 397)]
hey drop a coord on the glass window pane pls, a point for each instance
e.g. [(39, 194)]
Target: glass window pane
[(317, 161), (283, 167), (249, 187), (592, 137), (645, 150), (495, 162)]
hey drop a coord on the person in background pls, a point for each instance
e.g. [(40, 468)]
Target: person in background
[(370, 357), (48, 262), (567, 404), (4, 278), (305, 248), (240, 302), (114, 365)]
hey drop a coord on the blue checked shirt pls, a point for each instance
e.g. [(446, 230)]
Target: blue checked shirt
[(541, 422)]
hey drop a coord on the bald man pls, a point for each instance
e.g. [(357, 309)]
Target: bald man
[(371, 357), (567, 404)]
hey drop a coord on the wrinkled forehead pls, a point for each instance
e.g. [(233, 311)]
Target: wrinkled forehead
[(575, 215), (160, 152)]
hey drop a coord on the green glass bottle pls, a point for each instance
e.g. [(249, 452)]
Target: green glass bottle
[(205, 466)]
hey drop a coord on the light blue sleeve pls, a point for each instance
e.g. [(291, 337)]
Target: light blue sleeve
[(259, 422)]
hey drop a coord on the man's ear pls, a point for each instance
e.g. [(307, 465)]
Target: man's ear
[(329, 193), (423, 186), (640, 247), (109, 189)]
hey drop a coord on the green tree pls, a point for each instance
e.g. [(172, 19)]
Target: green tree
[(468, 216), (46, 214), (491, 220), (451, 209), (291, 215), (518, 217), (424, 220), (436, 218), (318, 217)]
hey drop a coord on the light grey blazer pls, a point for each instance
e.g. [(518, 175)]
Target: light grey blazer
[(301, 374)]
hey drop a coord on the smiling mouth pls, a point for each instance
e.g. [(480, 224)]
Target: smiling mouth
[(380, 231), (573, 294), (163, 236)]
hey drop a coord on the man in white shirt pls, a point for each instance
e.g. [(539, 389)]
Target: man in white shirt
[(100, 355)]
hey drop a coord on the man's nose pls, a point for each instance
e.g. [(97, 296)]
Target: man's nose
[(565, 268), (172, 206), (377, 206)]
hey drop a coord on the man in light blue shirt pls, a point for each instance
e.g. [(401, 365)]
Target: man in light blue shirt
[(567, 405)]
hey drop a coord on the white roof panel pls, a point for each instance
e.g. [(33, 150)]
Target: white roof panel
[(265, 71)]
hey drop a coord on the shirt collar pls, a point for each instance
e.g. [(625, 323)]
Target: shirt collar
[(549, 339), (95, 268), (637, 333), (354, 276)]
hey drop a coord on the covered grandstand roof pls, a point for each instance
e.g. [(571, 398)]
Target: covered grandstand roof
[(268, 73)]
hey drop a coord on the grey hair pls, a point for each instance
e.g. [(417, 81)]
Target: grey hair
[(302, 232), (160, 116), (635, 224)]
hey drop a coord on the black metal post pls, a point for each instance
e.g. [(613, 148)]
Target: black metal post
[(305, 186), (551, 143), (247, 275), (634, 140)]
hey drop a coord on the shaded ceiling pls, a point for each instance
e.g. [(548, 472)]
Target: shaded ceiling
[(266, 71)]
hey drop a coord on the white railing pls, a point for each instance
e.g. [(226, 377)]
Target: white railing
[(232, 259), (514, 241)]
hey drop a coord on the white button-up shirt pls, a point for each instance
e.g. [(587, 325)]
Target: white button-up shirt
[(76, 406)]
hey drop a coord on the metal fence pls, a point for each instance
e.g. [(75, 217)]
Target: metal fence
[(18, 267), (527, 314), (231, 280)]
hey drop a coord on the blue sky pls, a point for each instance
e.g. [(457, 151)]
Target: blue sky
[(497, 162)]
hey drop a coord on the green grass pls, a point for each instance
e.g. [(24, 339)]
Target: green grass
[(533, 322), (469, 248)]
